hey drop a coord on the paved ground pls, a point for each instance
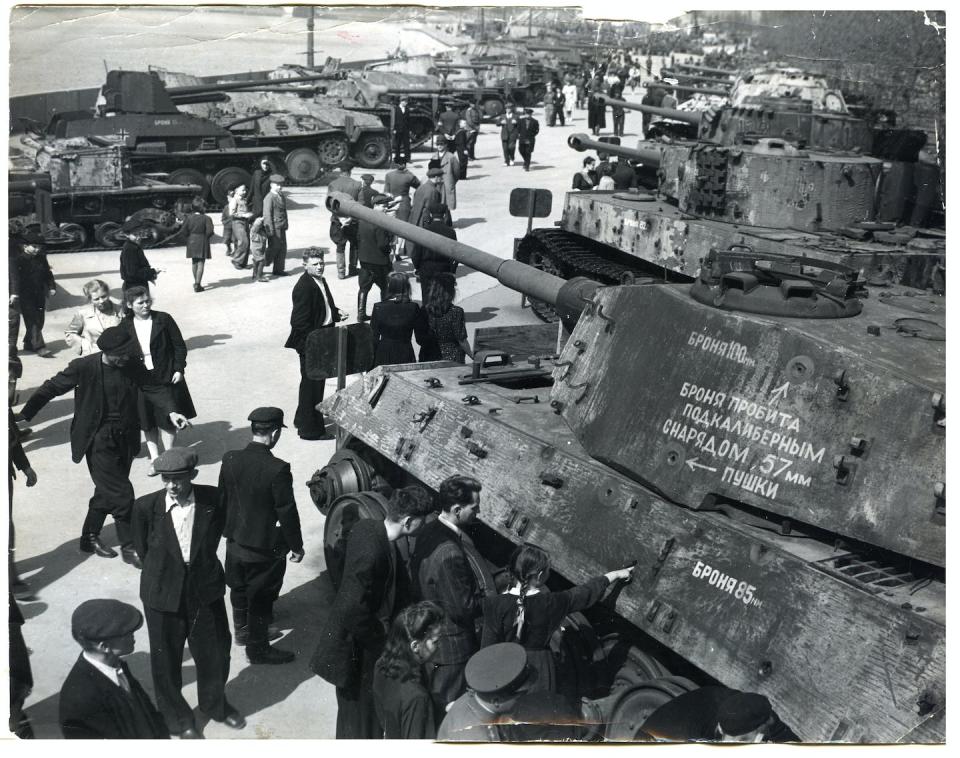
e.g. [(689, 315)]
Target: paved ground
[(235, 331)]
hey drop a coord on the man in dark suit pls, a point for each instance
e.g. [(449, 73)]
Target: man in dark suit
[(275, 224), (427, 262), (343, 230), (313, 308), (106, 429), (100, 698), (527, 130), (259, 186), (373, 589), (447, 569), (176, 531), (401, 130), (427, 194), (262, 526), (374, 246)]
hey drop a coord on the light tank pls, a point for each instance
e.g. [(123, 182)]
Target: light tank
[(80, 195), (768, 196), (767, 445), (135, 111)]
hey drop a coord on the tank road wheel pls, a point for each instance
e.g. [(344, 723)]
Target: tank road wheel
[(493, 108), (345, 473), (372, 150), (225, 179), (345, 513), (303, 165), (106, 234), (635, 706), (542, 259), (190, 176), (74, 237), (331, 150)]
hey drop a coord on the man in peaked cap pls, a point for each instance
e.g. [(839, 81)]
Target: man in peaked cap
[(427, 194), (177, 531), (717, 714), (527, 130), (497, 708), (100, 698), (262, 527), (275, 224), (106, 429)]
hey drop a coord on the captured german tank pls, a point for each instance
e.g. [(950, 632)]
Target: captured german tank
[(766, 444), (79, 196), (265, 113), (135, 111), (768, 196)]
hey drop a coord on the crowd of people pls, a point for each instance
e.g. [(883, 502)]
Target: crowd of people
[(420, 645)]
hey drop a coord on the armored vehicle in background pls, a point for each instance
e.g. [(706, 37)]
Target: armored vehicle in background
[(79, 196), (135, 111), (273, 112), (765, 443)]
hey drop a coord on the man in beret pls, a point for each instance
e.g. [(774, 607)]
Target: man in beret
[(343, 230), (716, 714), (527, 130), (374, 246), (313, 308), (100, 698), (275, 225), (497, 707), (262, 526), (177, 531), (106, 429)]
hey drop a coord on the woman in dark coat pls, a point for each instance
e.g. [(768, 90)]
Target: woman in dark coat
[(402, 701), (586, 178), (596, 110), (197, 229), (394, 322), (165, 356), (135, 270), (529, 615), (445, 338)]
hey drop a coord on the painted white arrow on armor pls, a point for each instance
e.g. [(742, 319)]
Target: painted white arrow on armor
[(692, 463), (781, 391)]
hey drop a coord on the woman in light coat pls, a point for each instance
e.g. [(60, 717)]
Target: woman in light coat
[(451, 172), (88, 322)]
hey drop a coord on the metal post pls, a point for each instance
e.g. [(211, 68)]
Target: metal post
[(310, 16), (341, 357), (481, 24), (531, 205)]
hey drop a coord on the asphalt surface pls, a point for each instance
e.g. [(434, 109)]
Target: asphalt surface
[(235, 332)]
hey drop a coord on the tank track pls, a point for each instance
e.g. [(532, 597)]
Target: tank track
[(570, 255)]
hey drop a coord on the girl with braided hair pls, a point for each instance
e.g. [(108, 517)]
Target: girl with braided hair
[(528, 613), (404, 705)]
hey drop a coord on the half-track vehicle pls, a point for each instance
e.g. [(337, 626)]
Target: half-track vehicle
[(79, 195), (765, 443), (135, 111)]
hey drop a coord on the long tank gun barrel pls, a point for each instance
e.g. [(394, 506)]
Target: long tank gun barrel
[(696, 78), (566, 295), (687, 117), (197, 89), (685, 88), (582, 142), (705, 70)]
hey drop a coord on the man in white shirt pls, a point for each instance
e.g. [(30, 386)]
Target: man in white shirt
[(176, 532)]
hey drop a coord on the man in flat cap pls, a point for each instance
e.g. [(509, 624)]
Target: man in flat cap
[(262, 526), (367, 192), (427, 194), (398, 183), (374, 246), (106, 429), (497, 707), (508, 136), (275, 225), (426, 261), (100, 698), (313, 308), (716, 714), (176, 531), (527, 130), (343, 230)]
